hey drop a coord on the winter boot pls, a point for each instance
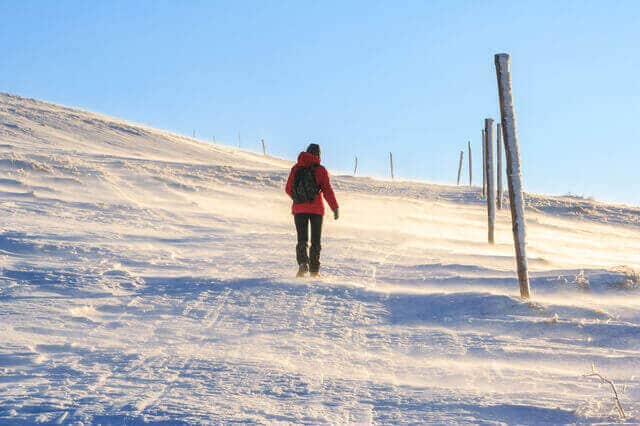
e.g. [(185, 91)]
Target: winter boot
[(302, 270), (314, 260)]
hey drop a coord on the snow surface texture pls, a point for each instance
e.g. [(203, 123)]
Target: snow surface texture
[(147, 277)]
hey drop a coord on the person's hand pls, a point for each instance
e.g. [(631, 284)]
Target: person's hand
[(336, 214)]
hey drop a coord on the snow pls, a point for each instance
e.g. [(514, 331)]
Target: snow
[(147, 277)]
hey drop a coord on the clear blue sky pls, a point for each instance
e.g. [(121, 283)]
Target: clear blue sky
[(359, 77)]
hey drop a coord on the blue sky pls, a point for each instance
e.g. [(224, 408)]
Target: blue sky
[(359, 77)]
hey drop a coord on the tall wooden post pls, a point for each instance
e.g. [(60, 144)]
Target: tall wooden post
[(460, 166), (491, 189), (470, 166), (355, 166), (514, 174), (264, 147), (499, 164), (484, 163)]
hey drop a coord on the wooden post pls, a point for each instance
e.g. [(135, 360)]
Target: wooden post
[(355, 166), (484, 164), (391, 164), (499, 164), (514, 174), (460, 167), (238, 139), (491, 189), (470, 166), (264, 147)]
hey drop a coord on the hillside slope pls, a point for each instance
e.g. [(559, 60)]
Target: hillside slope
[(146, 277)]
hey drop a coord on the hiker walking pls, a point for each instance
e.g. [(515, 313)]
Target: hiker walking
[(306, 181)]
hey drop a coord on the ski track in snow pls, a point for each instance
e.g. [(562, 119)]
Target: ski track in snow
[(146, 277)]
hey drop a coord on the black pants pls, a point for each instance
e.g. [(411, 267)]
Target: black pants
[(302, 226)]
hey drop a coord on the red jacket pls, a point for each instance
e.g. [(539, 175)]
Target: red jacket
[(316, 206)]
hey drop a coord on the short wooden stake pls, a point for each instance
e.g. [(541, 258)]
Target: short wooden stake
[(470, 166), (499, 165), (514, 174), (491, 189), (391, 164), (460, 166)]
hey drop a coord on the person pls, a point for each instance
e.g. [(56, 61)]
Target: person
[(310, 212)]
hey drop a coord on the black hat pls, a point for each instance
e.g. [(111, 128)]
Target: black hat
[(314, 149)]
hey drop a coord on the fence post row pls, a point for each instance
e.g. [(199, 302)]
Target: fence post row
[(514, 174), (491, 189)]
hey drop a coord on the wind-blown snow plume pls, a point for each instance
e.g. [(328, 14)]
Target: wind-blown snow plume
[(146, 276)]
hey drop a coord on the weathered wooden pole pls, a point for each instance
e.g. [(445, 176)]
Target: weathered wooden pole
[(355, 166), (460, 166), (491, 189), (514, 174), (484, 163), (264, 147), (499, 164), (391, 164), (470, 166)]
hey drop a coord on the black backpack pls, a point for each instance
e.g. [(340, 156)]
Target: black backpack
[(305, 189)]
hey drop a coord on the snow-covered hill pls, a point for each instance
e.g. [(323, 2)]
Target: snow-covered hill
[(147, 277)]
